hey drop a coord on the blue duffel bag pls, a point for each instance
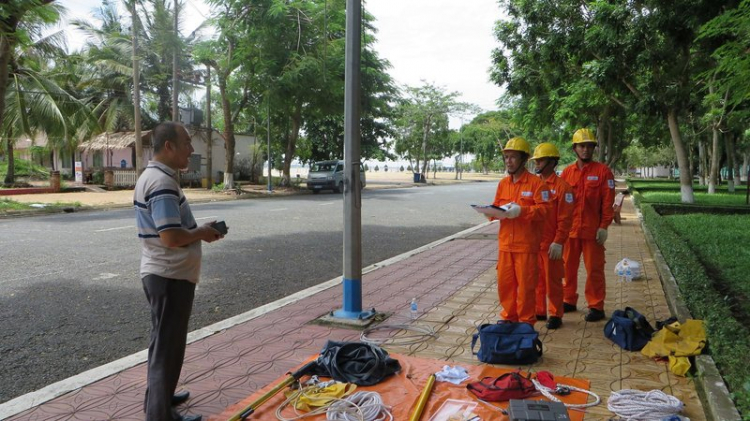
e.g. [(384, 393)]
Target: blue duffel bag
[(507, 343), (629, 329)]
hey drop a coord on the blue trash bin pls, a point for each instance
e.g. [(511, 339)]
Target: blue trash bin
[(417, 177)]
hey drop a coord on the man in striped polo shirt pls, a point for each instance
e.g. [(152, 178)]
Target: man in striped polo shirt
[(170, 266)]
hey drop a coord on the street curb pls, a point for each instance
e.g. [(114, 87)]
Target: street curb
[(22, 403), (709, 384)]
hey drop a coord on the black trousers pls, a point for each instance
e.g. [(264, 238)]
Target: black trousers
[(171, 302)]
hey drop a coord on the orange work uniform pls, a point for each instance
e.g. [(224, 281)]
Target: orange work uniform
[(556, 230), (519, 239), (594, 187)]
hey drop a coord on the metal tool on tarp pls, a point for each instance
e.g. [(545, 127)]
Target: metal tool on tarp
[(417, 414), (293, 377)]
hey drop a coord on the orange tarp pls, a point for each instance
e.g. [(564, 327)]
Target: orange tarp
[(402, 391)]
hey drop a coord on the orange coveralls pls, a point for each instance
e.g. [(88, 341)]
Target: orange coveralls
[(519, 240), (556, 230), (594, 190)]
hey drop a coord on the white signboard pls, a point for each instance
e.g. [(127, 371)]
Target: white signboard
[(79, 172)]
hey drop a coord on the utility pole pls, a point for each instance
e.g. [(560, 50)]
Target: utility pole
[(136, 94), (352, 279), (175, 66), (210, 132)]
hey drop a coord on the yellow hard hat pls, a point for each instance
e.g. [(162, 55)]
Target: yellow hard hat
[(546, 150), (584, 136), (518, 144)]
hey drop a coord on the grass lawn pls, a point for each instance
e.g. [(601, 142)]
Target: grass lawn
[(8, 206), (720, 241)]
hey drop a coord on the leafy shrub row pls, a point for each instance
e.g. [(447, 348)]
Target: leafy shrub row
[(729, 340)]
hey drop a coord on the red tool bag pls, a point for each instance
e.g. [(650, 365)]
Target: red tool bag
[(506, 387)]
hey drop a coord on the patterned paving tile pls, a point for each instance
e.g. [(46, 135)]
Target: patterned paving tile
[(455, 284)]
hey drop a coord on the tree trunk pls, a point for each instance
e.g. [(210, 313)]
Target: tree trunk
[(226, 109), (729, 146), (601, 132), (701, 163), (611, 155), (291, 145), (4, 61), (691, 158), (10, 176), (209, 133), (713, 178), (686, 179), (426, 129)]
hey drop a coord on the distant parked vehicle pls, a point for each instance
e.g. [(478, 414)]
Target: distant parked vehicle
[(329, 175)]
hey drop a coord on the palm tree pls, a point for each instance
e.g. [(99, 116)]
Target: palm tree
[(32, 100)]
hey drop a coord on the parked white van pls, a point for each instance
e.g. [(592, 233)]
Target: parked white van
[(329, 175)]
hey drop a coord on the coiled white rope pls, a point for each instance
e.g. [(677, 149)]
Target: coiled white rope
[(548, 393), (361, 406), (635, 405)]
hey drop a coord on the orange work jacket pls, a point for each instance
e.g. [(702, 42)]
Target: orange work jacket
[(560, 217), (594, 190), (524, 233)]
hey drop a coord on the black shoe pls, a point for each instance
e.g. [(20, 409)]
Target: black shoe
[(541, 317), (594, 315), (179, 398), (569, 308), (191, 418), (554, 322)]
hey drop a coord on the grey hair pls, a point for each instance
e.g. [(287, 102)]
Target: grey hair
[(162, 133)]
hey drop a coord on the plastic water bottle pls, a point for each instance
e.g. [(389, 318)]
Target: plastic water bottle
[(675, 418), (413, 308), (628, 273), (620, 274)]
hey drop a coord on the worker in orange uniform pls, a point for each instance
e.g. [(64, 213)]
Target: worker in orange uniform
[(594, 189), (526, 200), (556, 230)]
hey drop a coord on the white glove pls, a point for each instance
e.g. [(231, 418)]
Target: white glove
[(601, 236), (513, 211), (555, 251)]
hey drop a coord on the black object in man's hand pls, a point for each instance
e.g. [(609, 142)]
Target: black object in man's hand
[(220, 226)]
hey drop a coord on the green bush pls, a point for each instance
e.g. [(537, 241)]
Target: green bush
[(23, 168), (728, 338)]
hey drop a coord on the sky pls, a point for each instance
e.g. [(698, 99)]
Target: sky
[(444, 42)]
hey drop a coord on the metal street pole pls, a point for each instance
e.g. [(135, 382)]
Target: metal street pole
[(352, 280)]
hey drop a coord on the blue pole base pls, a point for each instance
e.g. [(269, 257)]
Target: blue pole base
[(353, 302), (361, 315)]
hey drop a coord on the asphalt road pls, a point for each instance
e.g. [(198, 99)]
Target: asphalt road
[(71, 298)]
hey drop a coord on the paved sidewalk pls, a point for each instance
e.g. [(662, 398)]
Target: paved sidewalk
[(454, 282)]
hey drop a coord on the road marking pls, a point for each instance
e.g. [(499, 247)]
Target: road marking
[(326, 203), (278, 210), (133, 226), (115, 229)]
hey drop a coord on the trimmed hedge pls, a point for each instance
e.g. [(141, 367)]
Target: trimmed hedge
[(729, 340)]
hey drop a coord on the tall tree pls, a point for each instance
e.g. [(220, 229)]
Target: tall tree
[(32, 100), (636, 55), (423, 118)]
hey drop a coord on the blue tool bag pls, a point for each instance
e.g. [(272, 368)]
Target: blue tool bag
[(629, 329), (507, 343)]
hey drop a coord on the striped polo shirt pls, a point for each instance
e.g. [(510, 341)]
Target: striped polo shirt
[(160, 205)]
